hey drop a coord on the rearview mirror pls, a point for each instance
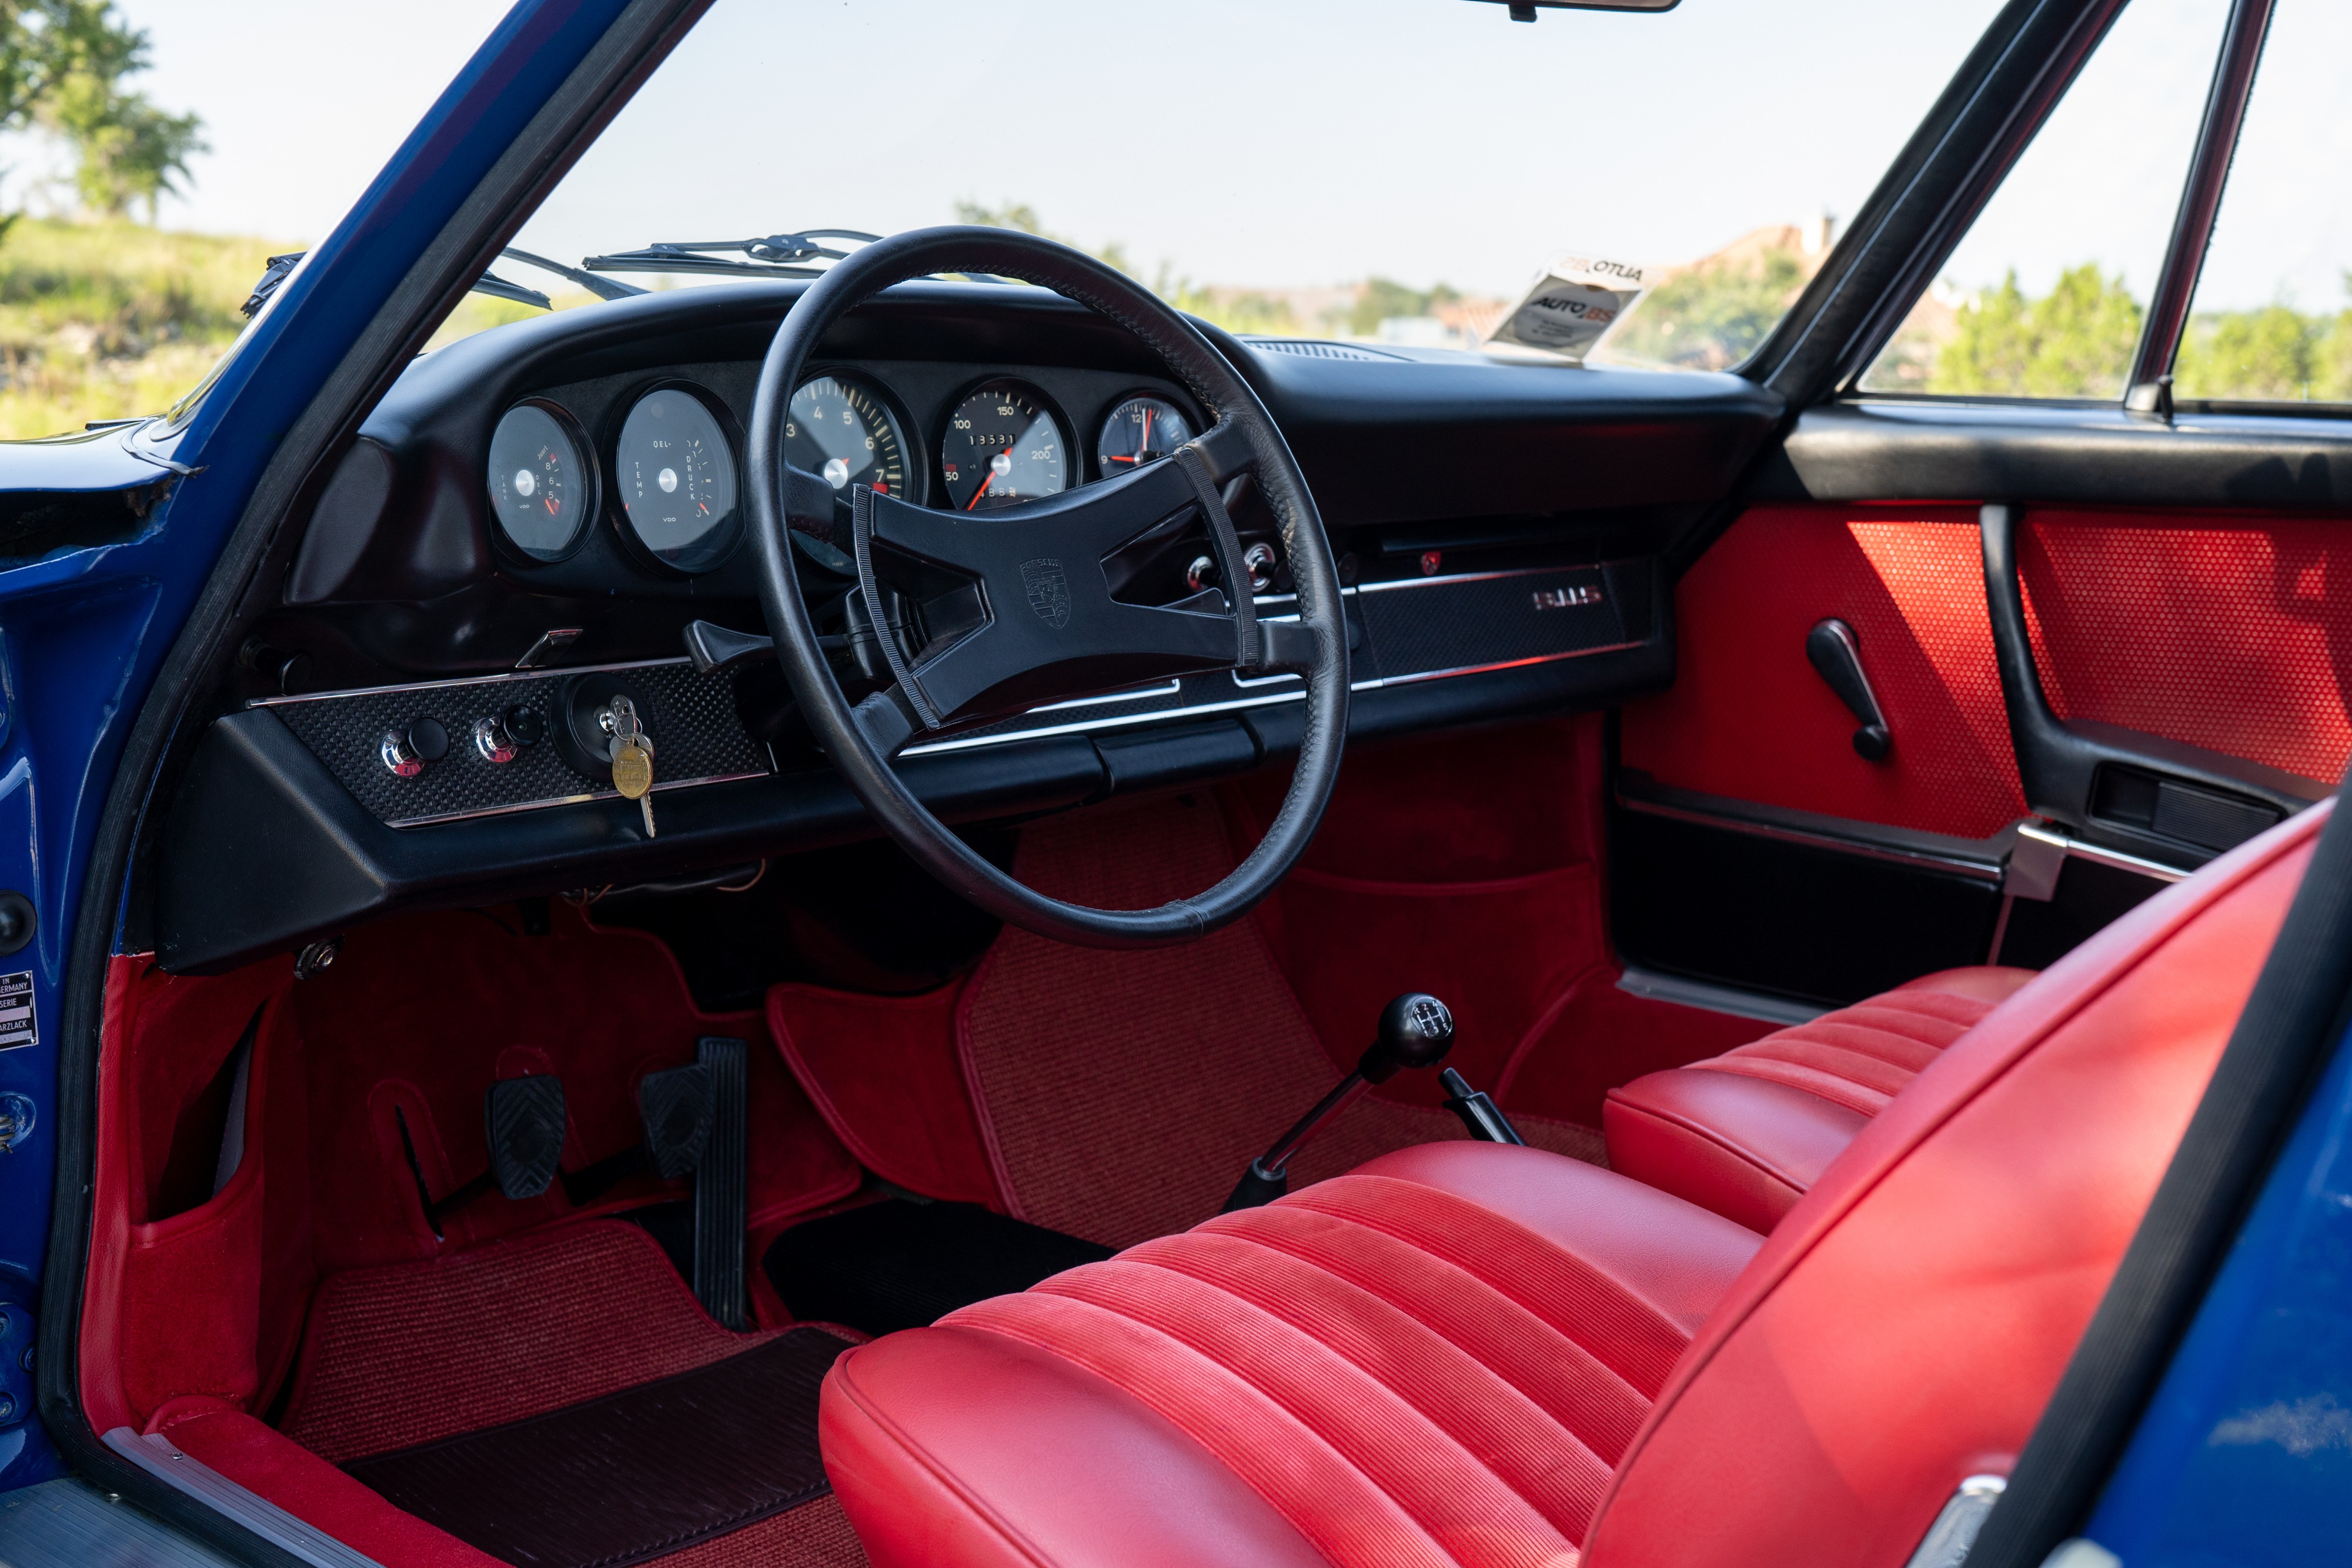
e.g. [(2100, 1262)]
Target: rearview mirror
[(1525, 10)]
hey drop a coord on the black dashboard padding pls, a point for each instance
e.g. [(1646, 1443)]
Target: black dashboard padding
[(342, 524)]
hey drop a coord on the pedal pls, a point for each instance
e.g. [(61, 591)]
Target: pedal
[(675, 1107), (722, 1181), (524, 1125)]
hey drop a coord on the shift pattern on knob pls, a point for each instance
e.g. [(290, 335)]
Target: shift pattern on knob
[(1416, 1030)]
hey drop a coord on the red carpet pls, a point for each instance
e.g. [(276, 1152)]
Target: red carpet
[(1121, 1095)]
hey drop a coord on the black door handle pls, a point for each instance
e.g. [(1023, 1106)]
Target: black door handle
[(1831, 647)]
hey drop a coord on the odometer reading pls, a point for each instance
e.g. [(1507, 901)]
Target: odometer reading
[(1001, 447), (840, 429)]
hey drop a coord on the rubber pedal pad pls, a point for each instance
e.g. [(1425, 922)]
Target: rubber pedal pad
[(675, 1108), (524, 1125)]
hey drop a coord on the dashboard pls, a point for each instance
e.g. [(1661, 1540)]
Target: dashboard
[(539, 521)]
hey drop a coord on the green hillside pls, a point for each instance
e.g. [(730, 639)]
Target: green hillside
[(106, 319)]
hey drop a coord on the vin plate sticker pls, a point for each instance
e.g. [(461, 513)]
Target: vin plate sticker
[(17, 1028)]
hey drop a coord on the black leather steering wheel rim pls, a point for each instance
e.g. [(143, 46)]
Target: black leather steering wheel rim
[(860, 740)]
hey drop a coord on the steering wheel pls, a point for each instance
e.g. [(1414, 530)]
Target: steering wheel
[(1044, 624)]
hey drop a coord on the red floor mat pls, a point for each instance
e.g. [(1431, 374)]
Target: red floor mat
[(403, 1354), (1123, 1093)]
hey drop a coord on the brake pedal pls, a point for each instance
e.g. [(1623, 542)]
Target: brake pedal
[(676, 1110)]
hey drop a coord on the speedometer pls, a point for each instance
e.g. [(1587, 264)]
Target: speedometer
[(675, 475), (841, 428), (1002, 445)]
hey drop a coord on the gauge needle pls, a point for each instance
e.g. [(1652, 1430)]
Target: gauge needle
[(1145, 444), (985, 480)]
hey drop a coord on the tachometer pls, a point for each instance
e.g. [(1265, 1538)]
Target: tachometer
[(675, 475), (842, 429), (1002, 445), (1139, 430), (543, 484)]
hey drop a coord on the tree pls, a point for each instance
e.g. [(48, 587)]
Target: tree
[(2074, 342), (62, 67), (1714, 315)]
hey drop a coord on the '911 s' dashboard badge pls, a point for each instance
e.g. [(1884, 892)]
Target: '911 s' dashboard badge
[(1564, 598), (1048, 589)]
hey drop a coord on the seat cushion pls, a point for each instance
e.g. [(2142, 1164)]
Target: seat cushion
[(1437, 1359), (1748, 1132)]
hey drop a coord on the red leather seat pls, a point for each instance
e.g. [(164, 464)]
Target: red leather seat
[(1473, 1354), (1749, 1133)]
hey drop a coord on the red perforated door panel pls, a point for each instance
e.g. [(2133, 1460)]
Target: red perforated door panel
[(2232, 632), (1748, 718)]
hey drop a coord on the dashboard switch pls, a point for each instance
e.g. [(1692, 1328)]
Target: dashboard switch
[(399, 756), (493, 740), (525, 723), (407, 752)]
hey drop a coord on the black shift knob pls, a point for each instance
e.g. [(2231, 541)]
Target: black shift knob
[(1416, 1030)]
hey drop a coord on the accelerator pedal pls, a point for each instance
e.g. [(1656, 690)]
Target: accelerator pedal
[(722, 1181)]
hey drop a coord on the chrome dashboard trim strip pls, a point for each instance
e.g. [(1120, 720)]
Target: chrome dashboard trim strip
[(155, 1454), (541, 674), (1270, 699), (578, 799), (1175, 683)]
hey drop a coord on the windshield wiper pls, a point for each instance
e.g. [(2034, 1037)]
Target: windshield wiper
[(770, 256), (602, 288), (490, 283)]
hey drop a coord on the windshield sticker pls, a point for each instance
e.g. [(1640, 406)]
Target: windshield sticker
[(1572, 305), (17, 1028)]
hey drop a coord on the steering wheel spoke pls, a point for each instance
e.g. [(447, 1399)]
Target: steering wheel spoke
[(884, 721)]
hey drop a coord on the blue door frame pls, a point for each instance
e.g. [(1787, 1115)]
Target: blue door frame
[(83, 629)]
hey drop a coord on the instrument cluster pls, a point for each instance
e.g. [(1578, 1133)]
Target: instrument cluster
[(667, 471)]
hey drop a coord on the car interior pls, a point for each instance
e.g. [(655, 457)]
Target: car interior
[(721, 995)]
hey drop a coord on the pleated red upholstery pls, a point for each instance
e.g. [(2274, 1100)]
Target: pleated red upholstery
[(1748, 1132), (1438, 1359), (1433, 1360)]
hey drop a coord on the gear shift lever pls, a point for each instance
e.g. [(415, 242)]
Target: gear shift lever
[(1416, 1030)]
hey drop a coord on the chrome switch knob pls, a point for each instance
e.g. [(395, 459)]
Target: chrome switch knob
[(493, 740), (406, 751)]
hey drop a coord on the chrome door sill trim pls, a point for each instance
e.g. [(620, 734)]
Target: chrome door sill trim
[(1986, 871), (1708, 997), (155, 1454)]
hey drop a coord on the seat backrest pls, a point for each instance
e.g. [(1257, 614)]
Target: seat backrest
[(1905, 1325)]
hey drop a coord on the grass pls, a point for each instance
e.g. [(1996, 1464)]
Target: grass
[(111, 320), (106, 321)]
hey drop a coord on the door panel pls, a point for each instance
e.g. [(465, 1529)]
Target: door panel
[(1749, 718), (2228, 632)]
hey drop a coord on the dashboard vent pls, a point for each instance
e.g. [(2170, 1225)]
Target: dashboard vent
[(1316, 349)]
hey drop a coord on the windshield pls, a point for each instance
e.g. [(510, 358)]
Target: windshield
[(1392, 171), (1401, 171)]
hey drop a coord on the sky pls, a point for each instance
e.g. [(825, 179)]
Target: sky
[(1304, 143)]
